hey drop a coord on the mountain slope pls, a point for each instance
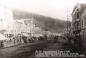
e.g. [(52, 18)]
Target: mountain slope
[(43, 22)]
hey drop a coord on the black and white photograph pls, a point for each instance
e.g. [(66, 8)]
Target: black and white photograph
[(42, 28)]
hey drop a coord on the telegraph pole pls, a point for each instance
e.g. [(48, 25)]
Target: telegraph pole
[(67, 22)]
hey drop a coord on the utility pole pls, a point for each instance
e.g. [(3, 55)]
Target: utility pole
[(67, 22)]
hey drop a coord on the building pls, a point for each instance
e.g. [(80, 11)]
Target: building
[(78, 17), (27, 26), (79, 24), (78, 20)]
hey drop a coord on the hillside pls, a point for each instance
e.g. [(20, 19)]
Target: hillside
[(43, 22)]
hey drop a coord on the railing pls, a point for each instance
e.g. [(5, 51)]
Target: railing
[(79, 30)]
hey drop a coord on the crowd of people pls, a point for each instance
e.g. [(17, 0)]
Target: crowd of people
[(20, 39)]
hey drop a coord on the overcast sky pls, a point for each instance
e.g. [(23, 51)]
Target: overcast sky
[(53, 8)]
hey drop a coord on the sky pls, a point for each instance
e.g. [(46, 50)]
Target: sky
[(53, 8)]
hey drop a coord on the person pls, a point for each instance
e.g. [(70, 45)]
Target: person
[(1, 43), (24, 39), (55, 39)]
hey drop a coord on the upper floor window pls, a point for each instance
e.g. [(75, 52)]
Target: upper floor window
[(77, 14), (84, 20)]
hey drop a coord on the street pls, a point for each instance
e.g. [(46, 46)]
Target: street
[(29, 50), (58, 47), (19, 51)]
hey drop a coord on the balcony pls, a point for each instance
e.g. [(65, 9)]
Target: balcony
[(77, 20)]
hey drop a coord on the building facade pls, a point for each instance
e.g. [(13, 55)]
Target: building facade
[(79, 23)]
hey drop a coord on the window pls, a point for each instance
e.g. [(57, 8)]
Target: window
[(77, 14), (85, 20)]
